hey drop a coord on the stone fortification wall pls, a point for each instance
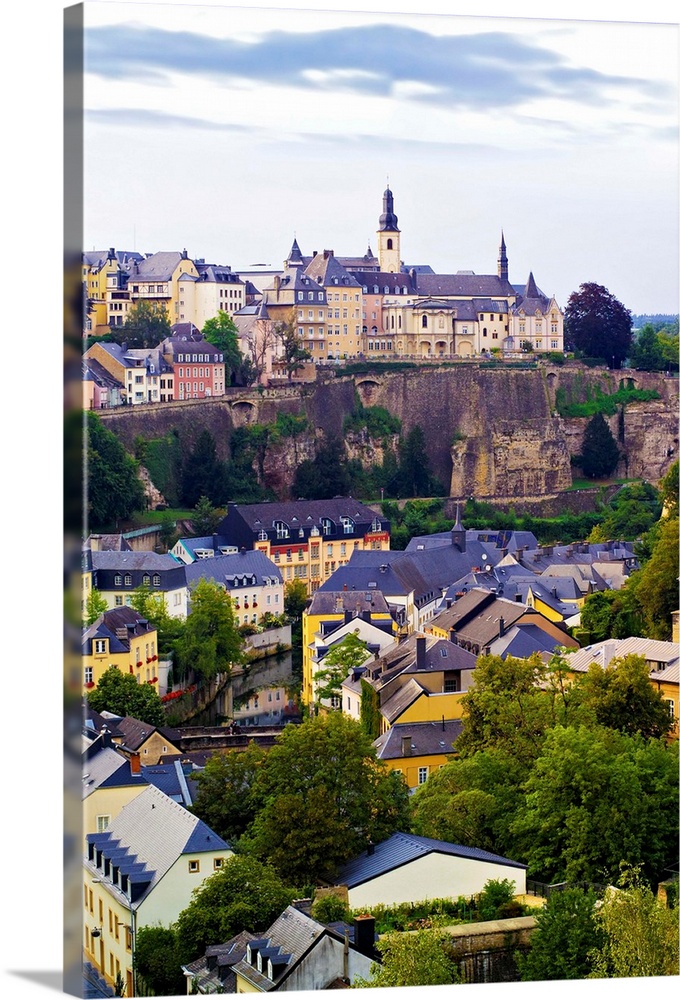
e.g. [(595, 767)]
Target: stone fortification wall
[(489, 433)]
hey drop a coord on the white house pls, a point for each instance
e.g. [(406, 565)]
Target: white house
[(405, 868), (251, 579), (141, 871)]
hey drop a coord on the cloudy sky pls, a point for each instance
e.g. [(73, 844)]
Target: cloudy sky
[(230, 130)]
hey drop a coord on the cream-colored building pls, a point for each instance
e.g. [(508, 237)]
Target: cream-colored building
[(139, 872), (405, 868)]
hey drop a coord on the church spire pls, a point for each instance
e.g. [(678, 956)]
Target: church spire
[(388, 220), (502, 259), (458, 536)]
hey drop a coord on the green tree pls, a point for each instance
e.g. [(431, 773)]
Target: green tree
[(656, 583), (295, 599), (640, 934), (595, 798), (416, 958), (646, 353), (342, 657), (330, 908), (622, 697), (323, 796), (203, 474), (599, 451), (472, 801), (151, 605), (210, 642), (222, 332), (631, 512), (114, 490), (145, 326), (225, 798), (95, 605), (205, 517), (414, 478), (565, 935), (669, 491), (167, 530), (597, 324), (121, 694), (158, 961), (324, 476), (244, 894), (293, 354)]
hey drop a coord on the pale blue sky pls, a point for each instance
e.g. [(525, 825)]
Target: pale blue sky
[(228, 130)]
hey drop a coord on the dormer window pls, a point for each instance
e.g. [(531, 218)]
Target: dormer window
[(347, 525), (326, 525), (281, 528), (128, 579)]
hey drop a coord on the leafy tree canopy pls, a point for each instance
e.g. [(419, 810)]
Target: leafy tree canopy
[(222, 332), (114, 490), (597, 324), (342, 657), (225, 798), (323, 796), (203, 473), (646, 353), (245, 894), (656, 584), (640, 933), (146, 325), (210, 641), (95, 605), (622, 697), (205, 517), (294, 354), (565, 935), (151, 605), (295, 599), (599, 451), (158, 961), (121, 694), (419, 959), (596, 798)]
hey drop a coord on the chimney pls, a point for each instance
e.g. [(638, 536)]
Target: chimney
[(364, 934), (449, 602), (135, 767), (344, 586), (370, 848), (501, 626), (421, 646), (406, 746), (452, 636), (348, 616)]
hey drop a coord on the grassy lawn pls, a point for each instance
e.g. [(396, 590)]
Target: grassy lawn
[(590, 484)]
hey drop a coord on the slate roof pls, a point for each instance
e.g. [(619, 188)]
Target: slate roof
[(330, 602), (243, 569), (291, 937), (160, 265), (170, 778), (108, 769), (94, 371), (402, 699), (213, 971), (135, 732), (427, 738), (523, 641), (297, 514), (328, 268), (106, 565), (108, 625), (393, 573), (663, 657), (108, 543), (402, 848), (476, 617), (147, 837), (395, 283), (463, 285)]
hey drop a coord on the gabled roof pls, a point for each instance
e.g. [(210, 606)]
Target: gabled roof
[(148, 836), (287, 942), (247, 568), (464, 285), (426, 738), (108, 769), (336, 602), (135, 732), (214, 972), (402, 699), (327, 267), (300, 514), (663, 657), (402, 848)]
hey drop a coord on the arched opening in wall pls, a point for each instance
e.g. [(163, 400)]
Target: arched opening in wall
[(425, 348), (368, 390), (552, 378), (628, 383), (243, 412), (441, 348), (389, 245), (423, 322), (465, 348)]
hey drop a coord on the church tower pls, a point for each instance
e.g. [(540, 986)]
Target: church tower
[(389, 251), (502, 260)]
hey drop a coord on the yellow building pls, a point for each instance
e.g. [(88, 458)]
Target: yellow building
[(141, 872), (328, 611), (120, 638), (418, 749)]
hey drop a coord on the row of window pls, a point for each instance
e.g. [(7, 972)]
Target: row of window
[(119, 580)]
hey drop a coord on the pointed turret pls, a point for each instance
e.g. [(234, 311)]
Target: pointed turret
[(389, 250), (458, 537), (530, 289), (295, 258), (502, 259)]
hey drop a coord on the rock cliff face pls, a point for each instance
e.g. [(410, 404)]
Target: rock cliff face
[(489, 433)]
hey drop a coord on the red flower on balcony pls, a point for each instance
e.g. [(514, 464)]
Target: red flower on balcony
[(132, 669), (154, 658), (140, 663), (89, 685), (149, 659), (254, 604)]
